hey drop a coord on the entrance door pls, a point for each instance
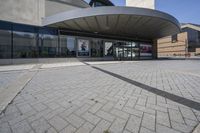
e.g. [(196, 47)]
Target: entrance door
[(125, 51)]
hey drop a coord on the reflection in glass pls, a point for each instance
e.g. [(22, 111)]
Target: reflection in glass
[(63, 46), (108, 51), (48, 45), (97, 48), (71, 50), (24, 45), (126, 50), (5, 44)]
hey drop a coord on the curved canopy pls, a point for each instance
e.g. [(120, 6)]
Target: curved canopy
[(117, 21)]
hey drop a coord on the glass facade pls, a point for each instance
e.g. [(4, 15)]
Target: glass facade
[(126, 50), (5, 44), (48, 45), (24, 45), (22, 41)]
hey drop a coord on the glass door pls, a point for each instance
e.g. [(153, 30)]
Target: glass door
[(126, 51)]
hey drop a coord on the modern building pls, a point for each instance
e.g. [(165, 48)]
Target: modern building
[(141, 3), (35, 29), (186, 43)]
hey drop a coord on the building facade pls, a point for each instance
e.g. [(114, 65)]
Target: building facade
[(141, 3), (65, 28), (186, 43), (175, 45)]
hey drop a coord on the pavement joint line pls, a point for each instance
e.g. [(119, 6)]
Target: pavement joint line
[(196, 129), (8, 94), (170, 96)]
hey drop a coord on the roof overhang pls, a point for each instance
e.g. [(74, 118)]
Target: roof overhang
[(118, 21), (77, 3), (194, 27)]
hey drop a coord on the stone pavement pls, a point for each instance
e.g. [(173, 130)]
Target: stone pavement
[(123, 97)]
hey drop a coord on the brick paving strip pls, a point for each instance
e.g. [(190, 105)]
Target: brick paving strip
[(9, 93), (175, 98)]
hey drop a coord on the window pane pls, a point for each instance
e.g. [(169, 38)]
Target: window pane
[(48, 45), (108, 51), (24, 45), (71, 49), (5, 44), (63, 46), (97, 48)]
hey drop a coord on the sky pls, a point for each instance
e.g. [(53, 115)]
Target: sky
[(186, 11)]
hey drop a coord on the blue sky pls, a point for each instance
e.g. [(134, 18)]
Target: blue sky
[(186, 11)]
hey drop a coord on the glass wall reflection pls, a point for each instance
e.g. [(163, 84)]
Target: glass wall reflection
[(24, 45), (108, 48), (96, 48), (48, 45), (126, 50), (5, 44)]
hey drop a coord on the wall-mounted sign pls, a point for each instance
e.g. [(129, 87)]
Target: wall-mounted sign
[(145, 50), (83, 47)]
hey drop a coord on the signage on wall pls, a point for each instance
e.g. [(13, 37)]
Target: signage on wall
[(83, 47), (145, 50)]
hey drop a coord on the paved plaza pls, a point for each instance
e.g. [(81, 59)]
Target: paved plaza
[(103, 97)]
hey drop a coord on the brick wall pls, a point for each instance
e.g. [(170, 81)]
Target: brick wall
[(170, 47), (197, 50)]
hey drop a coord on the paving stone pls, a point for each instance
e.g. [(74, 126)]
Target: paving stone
[(101, 127), (5, 128), (53, 105), (142, 101), (133, 124), (69, 111), (148, 121), (151, 100), (38, 115), (75, 120), (21, 127), (86, 128), (40, 126), (58, 123), (120, 104), (145, 130), (145, 109), (91, 118), (131, 103), (69, 129), (105, 115), (107, 107), (54, 113), (119, 113), (82, 110), (181, 127), (51, 130), (187, 113), (190, 122), (118, 125), (24, 108), (39, 107), (133, 111), (175, 116), (157, 107), (95, 108), (125, 131), (163, 118), (164, 129)]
